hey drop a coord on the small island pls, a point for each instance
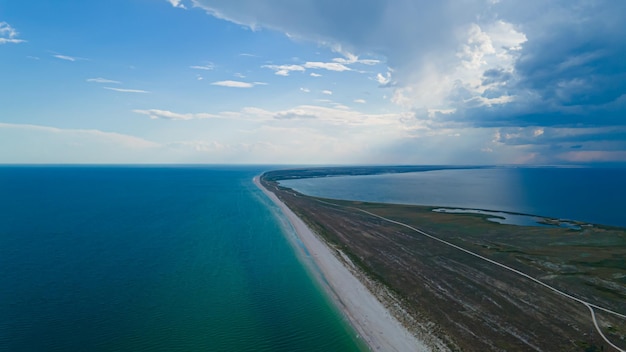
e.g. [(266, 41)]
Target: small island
[(457, 281)]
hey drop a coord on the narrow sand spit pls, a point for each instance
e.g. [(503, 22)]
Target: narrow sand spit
[(369, 317)]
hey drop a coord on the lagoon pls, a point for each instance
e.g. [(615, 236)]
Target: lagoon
[(593, 195)]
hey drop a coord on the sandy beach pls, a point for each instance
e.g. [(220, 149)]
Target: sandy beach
[(368, 316)]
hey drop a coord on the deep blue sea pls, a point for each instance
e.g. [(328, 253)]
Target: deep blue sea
[(596, 195), (153, 259)]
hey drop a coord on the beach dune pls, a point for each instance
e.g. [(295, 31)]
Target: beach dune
[(368, 316)]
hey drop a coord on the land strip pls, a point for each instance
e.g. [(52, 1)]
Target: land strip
[(469, 302)]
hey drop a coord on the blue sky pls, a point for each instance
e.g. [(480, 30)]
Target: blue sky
[(313, 81)]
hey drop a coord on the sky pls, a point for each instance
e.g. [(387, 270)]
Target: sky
[(313, 81)]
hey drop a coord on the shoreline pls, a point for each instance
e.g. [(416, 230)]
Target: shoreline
[(369, 317)]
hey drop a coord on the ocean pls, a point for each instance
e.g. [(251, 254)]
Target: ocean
[(154, 259), (595, 195)]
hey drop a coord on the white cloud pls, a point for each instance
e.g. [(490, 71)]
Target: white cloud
[(237, 84), (10, 41), (352, 59), (294, 114), (284, 70), (68, 58), (327, 92), (330, 66), (383, 79), (464, 81), (177, 3), (169, 115), (305, 90), (245, 114), (360, 101), (123, 90), (369, 62), (8, 34), (102, 80), (207, 67), (7, 31), (337, 66)]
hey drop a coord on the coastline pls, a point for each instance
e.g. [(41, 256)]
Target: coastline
[(367, 315)]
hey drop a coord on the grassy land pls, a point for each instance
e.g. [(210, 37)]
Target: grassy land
[(468, 303)]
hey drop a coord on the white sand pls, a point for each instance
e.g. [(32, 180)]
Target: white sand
[(369, 317)]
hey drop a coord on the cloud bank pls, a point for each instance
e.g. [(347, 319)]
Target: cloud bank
[(471, 64)]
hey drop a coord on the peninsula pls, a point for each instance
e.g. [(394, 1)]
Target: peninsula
[(455, 281)]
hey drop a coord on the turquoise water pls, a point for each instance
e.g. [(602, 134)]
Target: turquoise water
[(153, 259), (593, 195)]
